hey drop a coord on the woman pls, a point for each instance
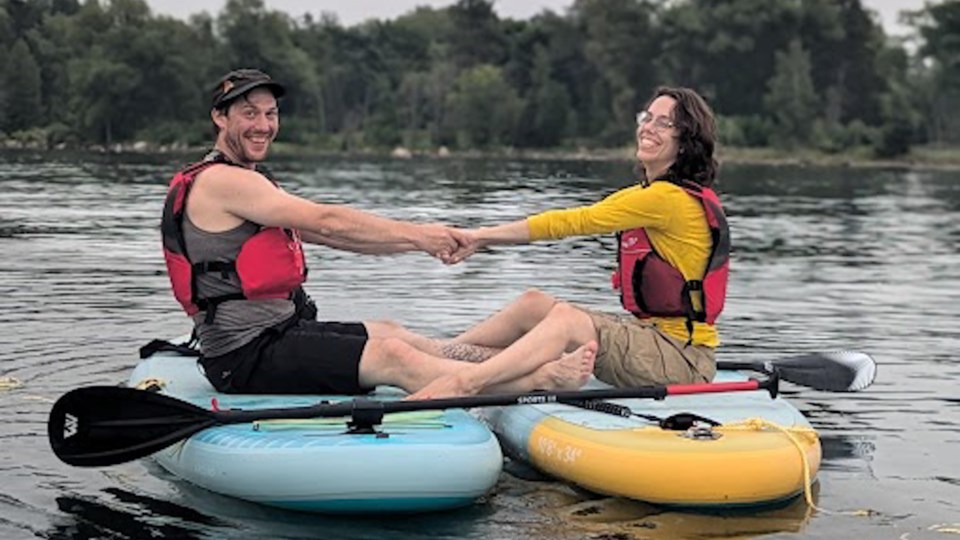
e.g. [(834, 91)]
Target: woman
[(673, 256)]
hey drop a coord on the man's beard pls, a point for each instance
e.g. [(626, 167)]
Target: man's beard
[(237, 148)]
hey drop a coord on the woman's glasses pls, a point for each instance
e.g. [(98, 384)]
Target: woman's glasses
[(660, 123)]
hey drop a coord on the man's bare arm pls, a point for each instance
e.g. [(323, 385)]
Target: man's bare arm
[(248, 195)]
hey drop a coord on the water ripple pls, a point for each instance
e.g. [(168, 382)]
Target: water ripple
[(823, 260)]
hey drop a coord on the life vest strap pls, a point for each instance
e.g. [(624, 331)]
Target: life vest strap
[(162, 345), (225, 268), (210, 304)]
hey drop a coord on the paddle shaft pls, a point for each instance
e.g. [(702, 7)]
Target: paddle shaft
[(371, 411)]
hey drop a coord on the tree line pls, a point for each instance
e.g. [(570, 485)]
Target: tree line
[(781, 73)]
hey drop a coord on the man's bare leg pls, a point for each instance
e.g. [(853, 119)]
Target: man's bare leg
[(434, 347), (564, 328), (391, 329), (395, 362)]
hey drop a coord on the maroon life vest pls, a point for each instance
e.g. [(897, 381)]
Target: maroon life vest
[(651, 287), (270, 263)]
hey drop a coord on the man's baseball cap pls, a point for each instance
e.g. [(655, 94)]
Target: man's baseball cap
[(240, 81)]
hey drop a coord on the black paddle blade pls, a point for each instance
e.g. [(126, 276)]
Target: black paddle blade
[(107, 425), (839, 371)]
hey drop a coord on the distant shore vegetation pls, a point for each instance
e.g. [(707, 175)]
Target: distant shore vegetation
[(816, 80)]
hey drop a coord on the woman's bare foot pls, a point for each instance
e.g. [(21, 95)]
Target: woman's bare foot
[(570, 371), (453, 385)]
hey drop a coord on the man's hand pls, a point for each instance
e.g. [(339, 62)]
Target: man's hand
[(472, 241), (439, 240)]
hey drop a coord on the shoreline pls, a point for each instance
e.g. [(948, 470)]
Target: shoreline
[(919, 158), (947, 159)]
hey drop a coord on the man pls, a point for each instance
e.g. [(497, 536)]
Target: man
[(232, 241)]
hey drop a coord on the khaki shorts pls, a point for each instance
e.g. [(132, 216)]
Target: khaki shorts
[(633, 352)]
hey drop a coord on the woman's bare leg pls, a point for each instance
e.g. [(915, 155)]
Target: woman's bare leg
[(483, 340), (569, 372), (509, 324)]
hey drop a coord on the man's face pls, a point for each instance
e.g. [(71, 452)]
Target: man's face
[(248, 126)]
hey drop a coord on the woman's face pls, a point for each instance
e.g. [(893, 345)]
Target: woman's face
[(657, 142)]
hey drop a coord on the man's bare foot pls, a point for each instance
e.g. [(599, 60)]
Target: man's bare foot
[(570, 371)]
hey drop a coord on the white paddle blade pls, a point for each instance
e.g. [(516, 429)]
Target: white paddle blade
[(835, 371), (861, 365)]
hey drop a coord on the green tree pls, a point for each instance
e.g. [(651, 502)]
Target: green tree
[(938, 26), (483, 107), (726, 50), (3, 90), (102, 90), (412, 108), (22, 87), (18, 17), (620, 40), (547, 108), (6, 25), (66, 7), (110, 71), (563, 41), (848, 63), (791, 99), (441, 83), (477, 36)]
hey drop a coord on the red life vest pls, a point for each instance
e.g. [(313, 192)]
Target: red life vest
[(270, 263), (651, 287)]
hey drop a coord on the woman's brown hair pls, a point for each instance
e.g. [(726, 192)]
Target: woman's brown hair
[(697, 137)]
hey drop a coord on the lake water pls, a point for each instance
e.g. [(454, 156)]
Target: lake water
[(823, 259)]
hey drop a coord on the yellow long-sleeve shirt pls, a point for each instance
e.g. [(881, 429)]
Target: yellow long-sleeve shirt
[(674, 221)]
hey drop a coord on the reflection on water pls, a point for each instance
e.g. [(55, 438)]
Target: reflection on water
[(849, 454), (575, 514), (823, 259), (94, 518)]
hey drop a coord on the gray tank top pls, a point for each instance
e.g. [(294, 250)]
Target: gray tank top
[(237, 322)]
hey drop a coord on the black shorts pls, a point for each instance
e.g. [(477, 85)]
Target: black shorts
[(300, 356)]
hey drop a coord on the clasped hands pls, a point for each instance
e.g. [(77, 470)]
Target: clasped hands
[(449, 244)]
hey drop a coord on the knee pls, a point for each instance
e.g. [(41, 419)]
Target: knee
[(387, 360), (568, 316), (392, 326), (573, 322), (390, 349), (563, 310), (385, 329), (536, 299)]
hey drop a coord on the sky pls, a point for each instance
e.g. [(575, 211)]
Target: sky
[(351, 12)]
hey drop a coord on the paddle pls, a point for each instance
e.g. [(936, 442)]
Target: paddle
[(107, 425), (838, 371)]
